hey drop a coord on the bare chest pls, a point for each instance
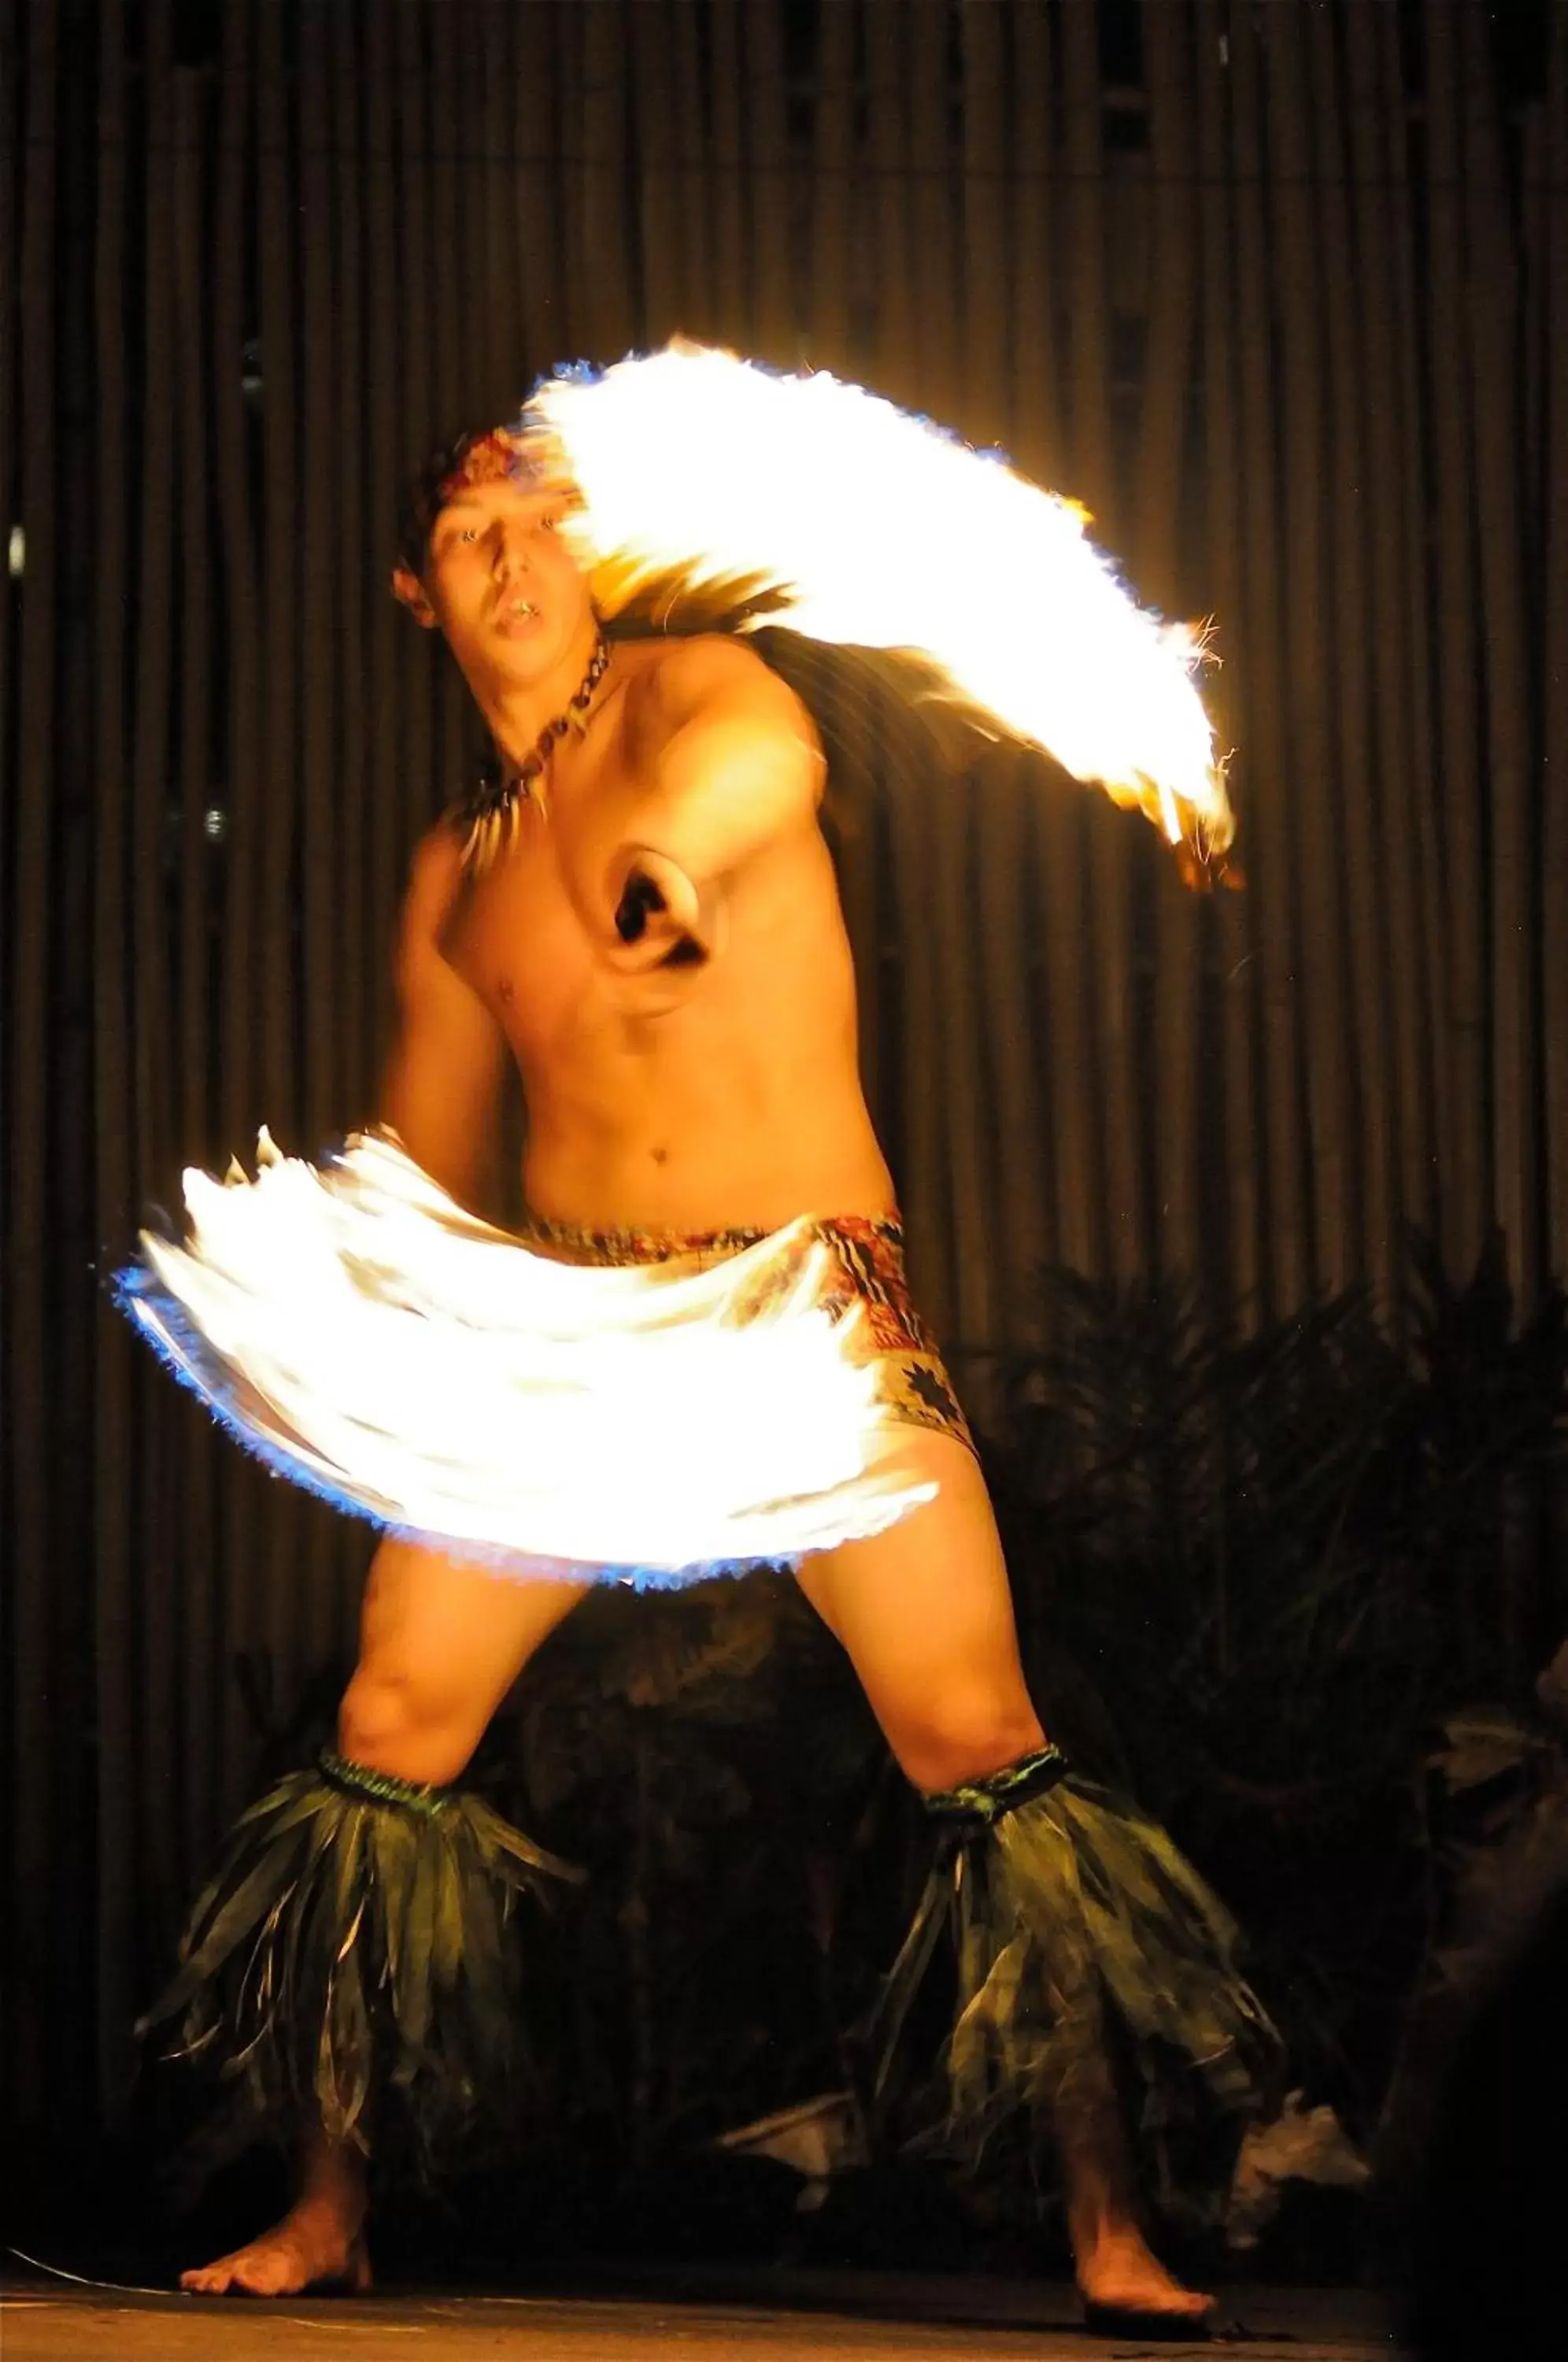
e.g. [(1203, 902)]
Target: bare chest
[(529, 940)]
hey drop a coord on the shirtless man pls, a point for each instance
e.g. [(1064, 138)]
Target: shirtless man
[(660, 949)]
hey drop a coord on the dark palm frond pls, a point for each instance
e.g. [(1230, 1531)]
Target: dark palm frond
[(1275, 1563)]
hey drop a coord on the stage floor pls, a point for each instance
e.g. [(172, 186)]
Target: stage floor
[(838, 2317)]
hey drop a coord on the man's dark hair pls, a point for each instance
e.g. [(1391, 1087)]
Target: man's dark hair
[(431, 488), (424, 501)]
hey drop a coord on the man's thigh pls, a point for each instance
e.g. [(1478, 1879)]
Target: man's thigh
[(450, 1632), (925, 1610)]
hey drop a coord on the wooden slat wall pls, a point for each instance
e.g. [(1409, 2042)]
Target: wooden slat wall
[(353, 228)]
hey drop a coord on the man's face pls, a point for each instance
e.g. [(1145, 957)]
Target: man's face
[(501, 585)]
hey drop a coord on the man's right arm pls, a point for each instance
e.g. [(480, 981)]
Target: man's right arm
[(441, 1088)]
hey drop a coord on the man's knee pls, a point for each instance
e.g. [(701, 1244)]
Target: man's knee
[(963, 1734), (394, 1720)]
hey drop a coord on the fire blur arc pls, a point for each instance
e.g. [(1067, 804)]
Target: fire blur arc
[(864, 526), (361, 1333)]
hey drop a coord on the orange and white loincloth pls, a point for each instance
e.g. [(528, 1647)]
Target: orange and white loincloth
[(867, 1269)]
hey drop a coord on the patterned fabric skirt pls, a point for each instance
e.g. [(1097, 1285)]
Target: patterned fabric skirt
[(913, 1384)]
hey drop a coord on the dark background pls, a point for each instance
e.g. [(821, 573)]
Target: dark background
[(1278, 289)]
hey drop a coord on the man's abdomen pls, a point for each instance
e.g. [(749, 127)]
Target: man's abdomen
[(684, 1168)]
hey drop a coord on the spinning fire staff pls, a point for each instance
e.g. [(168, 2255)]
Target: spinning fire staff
[(702, 1353)]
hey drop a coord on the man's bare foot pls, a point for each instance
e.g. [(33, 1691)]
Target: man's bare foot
[(1117, 2272), (312, 2247)]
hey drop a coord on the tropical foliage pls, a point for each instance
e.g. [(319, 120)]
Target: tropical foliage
[(1298, 1588)]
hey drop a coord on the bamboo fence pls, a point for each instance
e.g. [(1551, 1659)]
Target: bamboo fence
[(1285, 309)]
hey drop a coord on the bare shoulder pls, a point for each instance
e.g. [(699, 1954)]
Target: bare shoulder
[(432, 898), (436, 873), (437, 881), (713, 673)]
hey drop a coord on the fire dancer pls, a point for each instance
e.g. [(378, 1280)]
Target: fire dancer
[(637, 909)]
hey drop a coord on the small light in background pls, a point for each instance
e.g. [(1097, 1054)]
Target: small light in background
[(215, 825), (17, 554)]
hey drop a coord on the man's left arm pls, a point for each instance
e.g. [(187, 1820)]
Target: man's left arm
[(732, 765)]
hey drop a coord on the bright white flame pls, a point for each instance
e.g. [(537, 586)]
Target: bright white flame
[(888, 533), (359, 1324)]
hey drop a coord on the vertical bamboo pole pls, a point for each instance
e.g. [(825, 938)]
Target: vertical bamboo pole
[(541, 242), (37, 1833), (12, 121), (855, 754), (1051, 977), (117, 1627), (194, 1440), (830, 191), (919, 1161), (348, 398), (1317, 834), (767, 142), (241, 1072), (424, 393), (953, 1062), (153, 1135), (659, 207), (274, 194), (1179, 1037), (72, 1207), (438, 31), (456, 372), (894, 350), (363, 537), (1115, 1111), (1554, 771), (693, 188), (276, 1611), (998, 812), (1492, 290), (322, 601), (322, 604), (1447, 360), (139, 1818), (579, 95), (986, 384), (1380, 903), (609, 306), (1060, 916), (193, 1114), (479, 29), (1034, 425), (138, 1682), (1236, 914), (733, 320), (901, 981), (392, 447), (929, 199), (1393, 460), (1390, 165), (1266, 605), (1534, 140), (508, 373)]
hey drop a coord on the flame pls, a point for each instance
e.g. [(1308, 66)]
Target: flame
[(881, 530), (352, 1324)]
